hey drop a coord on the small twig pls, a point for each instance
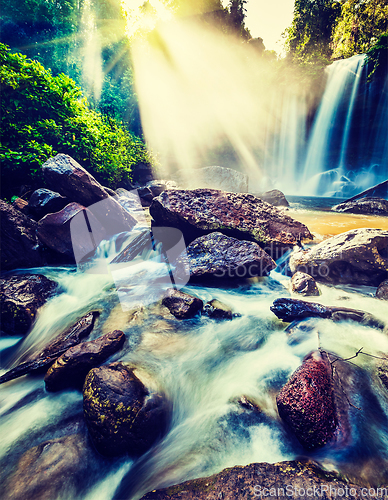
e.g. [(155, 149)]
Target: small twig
[(351, 357)]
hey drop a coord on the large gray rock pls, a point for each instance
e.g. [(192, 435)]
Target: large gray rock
[(63, 174), (306, 402), (274, 197), (20, 298), (214, 177), (122, 414), (280, 480), (241, 216), (71, 368), (373, 206), (218, 256), (19, 244), (359, 256), (181, 304)]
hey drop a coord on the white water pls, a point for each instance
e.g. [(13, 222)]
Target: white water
[(202, 366)]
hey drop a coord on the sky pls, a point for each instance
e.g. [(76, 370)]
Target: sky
[(268, 19)]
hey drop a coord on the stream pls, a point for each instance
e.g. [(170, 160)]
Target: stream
[(204, 367)]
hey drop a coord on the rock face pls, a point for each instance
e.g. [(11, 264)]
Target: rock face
[(359, 256), (241, 216), (304, 284), (382, 290), (214, 177), (43, 359), (122, 415), (182, 305), (20, 298), (274, 197), (217, 310), (44, 201), (70, 369), (65, 175), (306, 402), (218, 256), (19, 244), (294, 309), (54, 229), (53, 469), (262, 480), (373, 206)]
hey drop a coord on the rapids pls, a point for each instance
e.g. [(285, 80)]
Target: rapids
[(203, 366)]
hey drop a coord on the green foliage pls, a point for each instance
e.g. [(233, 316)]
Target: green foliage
[(377, 57), (42, 115), (359, 26)]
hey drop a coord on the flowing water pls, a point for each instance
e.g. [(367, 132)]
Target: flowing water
[(204, 367)]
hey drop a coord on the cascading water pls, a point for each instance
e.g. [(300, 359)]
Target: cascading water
[(346, 150)]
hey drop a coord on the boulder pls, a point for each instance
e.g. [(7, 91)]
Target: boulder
[(70, 369), (291, 479), (20, 298), (215, 177), (306, 402), (215, 255), (372, 206), (359, 256), (53, 469), (145, 195), (241, 216), (44, 201), (182, 305), (122, 415), (217, 310), (304, 284), (382, 290), (54, 229), (42, 360), (19, 244), (274, 197), (62, 173), (295, 309)]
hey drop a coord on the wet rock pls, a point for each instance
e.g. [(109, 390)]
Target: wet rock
[(53, 469), (70, 369), (306, 402), (145, 195), (304, 284), (54, 229), (123, 416), (382, 371), (62, 173), (218, 256), (156, 187), (217, 310), (295, 309), (373, 206), (241, 216), (262, 480), (382, 290), (19, 244), (44, 201), (274, 197), (20, 298), (359, 256), (248, 404), (182, 305), (60, 344)]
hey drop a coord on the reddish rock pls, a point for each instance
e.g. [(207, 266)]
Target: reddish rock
[(182, 305), (306, 402), (63, 174), (239, 215), (304, 284), (218, 256), (19, 244), (70, 369), (20, 298)]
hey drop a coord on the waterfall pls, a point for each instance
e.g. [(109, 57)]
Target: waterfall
[(346, 150)]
